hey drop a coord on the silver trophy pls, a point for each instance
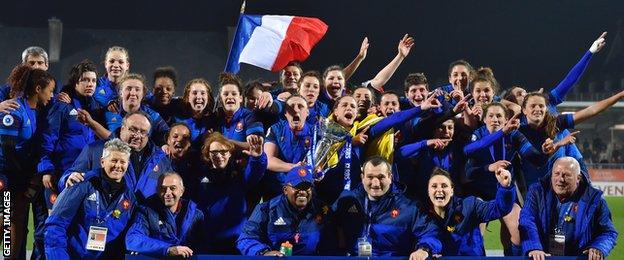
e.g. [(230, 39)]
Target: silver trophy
[(329, 133)]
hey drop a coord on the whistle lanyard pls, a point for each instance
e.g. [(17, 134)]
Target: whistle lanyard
[(369, 221), (562, 219), (97, 208)]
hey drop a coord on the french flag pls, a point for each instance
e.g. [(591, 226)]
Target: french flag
[(272, 41)]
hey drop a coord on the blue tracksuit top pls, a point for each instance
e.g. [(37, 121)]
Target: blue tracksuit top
[(487, 148), (159, 127), (591, 219), (198, 126), (459, 229), (311, 231), (532, 173), (105, 91), (397, 225), (155, 163), (64, 136), (21, 124), (242, 124), (416, 163), (156, 228), (76, 209), (221, 196)]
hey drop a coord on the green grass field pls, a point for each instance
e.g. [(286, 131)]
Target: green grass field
[(492, 237)]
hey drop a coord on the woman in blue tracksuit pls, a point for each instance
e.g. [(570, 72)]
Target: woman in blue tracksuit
[(117, 64), (220, 190), (543, 127), (492, 148), (65, 134), (234, 121), (19, 137), (131, 93), (197, 111), (444, 151), (103, 201), (458, 218)]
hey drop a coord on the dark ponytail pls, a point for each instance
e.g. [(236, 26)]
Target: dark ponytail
[(24, 81)]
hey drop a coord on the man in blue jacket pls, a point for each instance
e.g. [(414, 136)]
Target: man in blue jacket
[(90, 219), (564, 215), (167, 225), (376, 219), (147, 161), (293, 217)]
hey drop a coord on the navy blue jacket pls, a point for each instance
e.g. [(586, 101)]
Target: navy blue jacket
[(75, 211), (221, 196), (483, 151), (154, 164), (311, 231), (591, 219), (156, 228), (64, 136), (459, 229), (398, 226)]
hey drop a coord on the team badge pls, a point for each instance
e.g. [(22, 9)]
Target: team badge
[(239, 127), (116, 213), (302, 172), (307, 142), (125, 204), (394, 213), (450, 229), (102, 91), (114, 119), (53, 197), (8, 120), (156, 168), (73, 112)]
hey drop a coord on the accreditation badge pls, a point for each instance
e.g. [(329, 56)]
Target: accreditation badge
[(364, 247), (557, 243), (96, 240)]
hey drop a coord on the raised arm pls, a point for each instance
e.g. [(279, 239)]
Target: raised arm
[(561, 90), (350, 69), (382, 77), (596, 108)]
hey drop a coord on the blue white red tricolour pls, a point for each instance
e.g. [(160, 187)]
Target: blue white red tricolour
[(272, 41)]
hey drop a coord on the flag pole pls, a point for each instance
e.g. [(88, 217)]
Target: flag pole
[(242, 12)]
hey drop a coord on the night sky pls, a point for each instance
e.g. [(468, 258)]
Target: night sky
[(532, 43)]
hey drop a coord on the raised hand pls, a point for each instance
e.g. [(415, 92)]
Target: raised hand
[(438, 144), (494, 167), (599, 43), (361, 137), (462, 104), (84, 117), (255, 145), (265, 100), (363, 49), (431, 102), (503, 176), (548, 147), (512, 124), (405, 45)]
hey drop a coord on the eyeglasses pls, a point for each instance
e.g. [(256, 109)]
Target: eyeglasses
[(138, 132), (221, 152)]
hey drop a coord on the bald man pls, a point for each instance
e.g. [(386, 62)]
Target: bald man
[(565, 215), (167, 225)]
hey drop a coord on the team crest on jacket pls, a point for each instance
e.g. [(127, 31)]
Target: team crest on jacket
[(73, 112), (156, 168), (239, 126), (102, 91), (125, 204), (8, 120), (307, 142), (302, 172), (394, 213), (53, 197)]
